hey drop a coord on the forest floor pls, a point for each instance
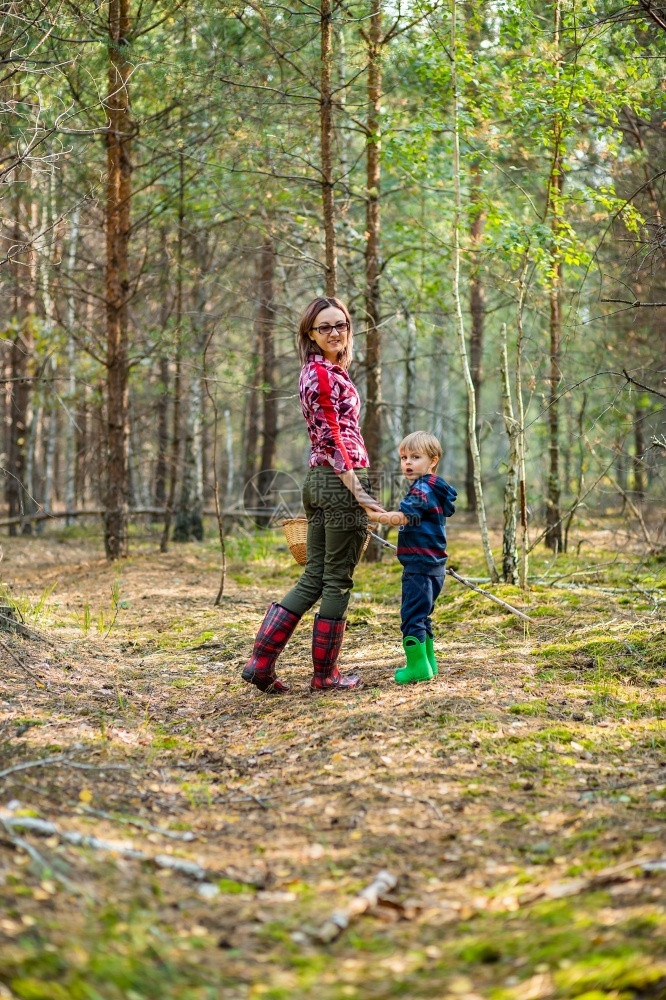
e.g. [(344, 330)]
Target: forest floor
[(518, 798)]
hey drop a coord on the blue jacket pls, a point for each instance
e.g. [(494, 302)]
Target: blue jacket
[(422, 542)]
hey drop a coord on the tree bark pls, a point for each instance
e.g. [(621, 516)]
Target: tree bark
[(266, 331), (19, 416), (372, 430), (162, 407), (553, 536), (251, 435), (70, 429), (118, 204), (477, 308), (520, 438), (509, 546), (174, 454), (20, 396), (326, 124), (462, 343), (638, 460)]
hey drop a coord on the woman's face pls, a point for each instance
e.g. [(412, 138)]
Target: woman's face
[(330, 339)]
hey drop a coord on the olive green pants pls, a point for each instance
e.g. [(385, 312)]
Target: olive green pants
[(337, 527)]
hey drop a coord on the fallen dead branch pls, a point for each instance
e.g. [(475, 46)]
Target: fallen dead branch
[(12, 624), (21, 664), (18, 843), (491, 597), (338, 922), (467, 583), (61, 759), (187, 835), (607, 876), (122, 849)]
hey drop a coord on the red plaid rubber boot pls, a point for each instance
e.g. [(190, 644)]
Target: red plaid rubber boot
[(327, 637), (274, 633)]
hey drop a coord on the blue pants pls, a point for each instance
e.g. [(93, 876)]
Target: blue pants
[(419, 593)]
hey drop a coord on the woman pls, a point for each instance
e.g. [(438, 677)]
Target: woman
[(334, 495)]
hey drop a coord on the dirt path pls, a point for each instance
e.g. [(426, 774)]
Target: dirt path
[(517, 799)]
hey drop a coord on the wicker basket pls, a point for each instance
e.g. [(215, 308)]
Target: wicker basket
[(296, 533)]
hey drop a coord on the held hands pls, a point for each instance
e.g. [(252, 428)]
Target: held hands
[(393, 517)]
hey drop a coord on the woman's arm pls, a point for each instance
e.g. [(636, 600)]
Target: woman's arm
[(355, 487)]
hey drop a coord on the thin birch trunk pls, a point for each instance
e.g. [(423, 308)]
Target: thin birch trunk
[(372, 431), (522, 485), (174, 456), (344, 139), (216, 484), (326, 127), (229, 489), (48, 216), (471, 423), (509, 550), (266, 329), (477, 308)]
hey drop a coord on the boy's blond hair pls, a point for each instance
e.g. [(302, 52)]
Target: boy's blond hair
[(422, 441)]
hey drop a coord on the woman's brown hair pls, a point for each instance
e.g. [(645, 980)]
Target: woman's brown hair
[(306, 346)]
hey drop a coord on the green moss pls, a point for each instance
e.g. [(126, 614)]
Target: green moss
[(230, 887), (630, 970), (536, 707)]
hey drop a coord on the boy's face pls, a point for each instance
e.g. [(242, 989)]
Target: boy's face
[(416, 463)]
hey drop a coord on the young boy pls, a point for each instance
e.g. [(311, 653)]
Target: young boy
[(421, 550)]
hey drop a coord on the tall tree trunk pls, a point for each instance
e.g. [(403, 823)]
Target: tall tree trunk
[(229, 481), (50, 407), (174, 455), (638, 462), (19, 416), (20, 397), (326, 124), (34, 416), (462, 343), (477, 308), (162, 461), (188, 520), (162, 407), (266, 331), (188, 524), (520, 437), (344, 146), (251, 435), (509, 547), (409, 368), (553, 536), (50, 447), (119, 192), (372, 430), (70, 427)]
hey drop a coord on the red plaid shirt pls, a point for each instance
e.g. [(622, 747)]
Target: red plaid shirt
[(331, 406)]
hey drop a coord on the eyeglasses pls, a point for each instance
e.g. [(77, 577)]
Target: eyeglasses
[(326, 328)]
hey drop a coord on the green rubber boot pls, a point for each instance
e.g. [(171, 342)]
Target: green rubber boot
[(430, 653), (418, 667)]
